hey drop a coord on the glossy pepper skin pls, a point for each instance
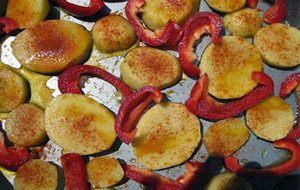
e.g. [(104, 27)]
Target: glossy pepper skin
[(69, 79), (7, 25), (292, 164), (74, 171), (81, 11), (169, 35), (204, 106), (252, 3), (131, 109), (276, 13), (197, 25)]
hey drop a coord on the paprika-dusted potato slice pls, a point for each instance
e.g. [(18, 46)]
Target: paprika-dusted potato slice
[(229, 67), (225, 137), (167, 135), (113, 33), (272, 119), (156, 13), (13, 89), (52, 46), (27, 12), (279, 45), (226, 6), (144, 66), (104, 172), (25, 125), (244, 22), (79, 124), (36, 174)]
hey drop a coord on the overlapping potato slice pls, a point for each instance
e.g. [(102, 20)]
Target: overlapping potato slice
[(271, 119), (279, 45), (226, 6), (167, 135), (52, 46), (79, 124), (229, 67), (145, 66), (156, 13), (225, 137)]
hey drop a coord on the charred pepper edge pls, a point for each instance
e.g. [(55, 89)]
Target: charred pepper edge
[(252, 3), (8, 25), (276, 13)]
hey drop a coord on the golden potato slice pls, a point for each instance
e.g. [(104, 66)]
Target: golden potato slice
[(225, 137), (271, 119), (145, 66), (25, 125), (27, 12), (79, 124), (104, 172), (244, 22), (52, 46), (226, 6), (230, 66), (156, 13), (167, 135), (36, 174), (279, 45)]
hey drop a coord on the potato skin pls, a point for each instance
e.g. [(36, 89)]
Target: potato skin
[(226, 6)]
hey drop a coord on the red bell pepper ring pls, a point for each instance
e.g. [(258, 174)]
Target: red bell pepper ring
[(292, 164), (204, 106), (252, 4), (276, 13), (81, 11), (69, 79), (74, 171), (7, 25), (169, 35), (131, 109), (197, 25)]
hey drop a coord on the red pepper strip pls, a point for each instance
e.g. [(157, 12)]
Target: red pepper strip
[(131, 109), (193, 29), (252, 4), (204, 106), (169, 35), (74, 171), (276, 13), (292, 164), (8, 25), (68, 80), (81, 11)]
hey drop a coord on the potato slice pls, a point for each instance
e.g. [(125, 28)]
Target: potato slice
[(104, 172), (225, 137), (226, 6), (271, 119), (145, 66), (167, 135), (25, 125), (27, 12), (230, 66), (52, 46), (79, 124), (279, 45), (36, 174), (156, 13), (244, 22)]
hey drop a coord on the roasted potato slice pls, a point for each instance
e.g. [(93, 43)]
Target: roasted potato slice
[(52, 46), (229, 67), (79, 124), (167, 135), (226, 6), (271, 119), (225, 137), (279, 45)]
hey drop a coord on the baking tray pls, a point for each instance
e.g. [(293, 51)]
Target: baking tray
[(255, 151)]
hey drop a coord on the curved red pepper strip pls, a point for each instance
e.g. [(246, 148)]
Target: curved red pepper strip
[(197, 25), (204, 106), (81, 11), (169, 35), (69, 79), (8, 25), (252, 4), (292, 164), (74, 171), (131, 109), (276, 13), (290, 83)]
